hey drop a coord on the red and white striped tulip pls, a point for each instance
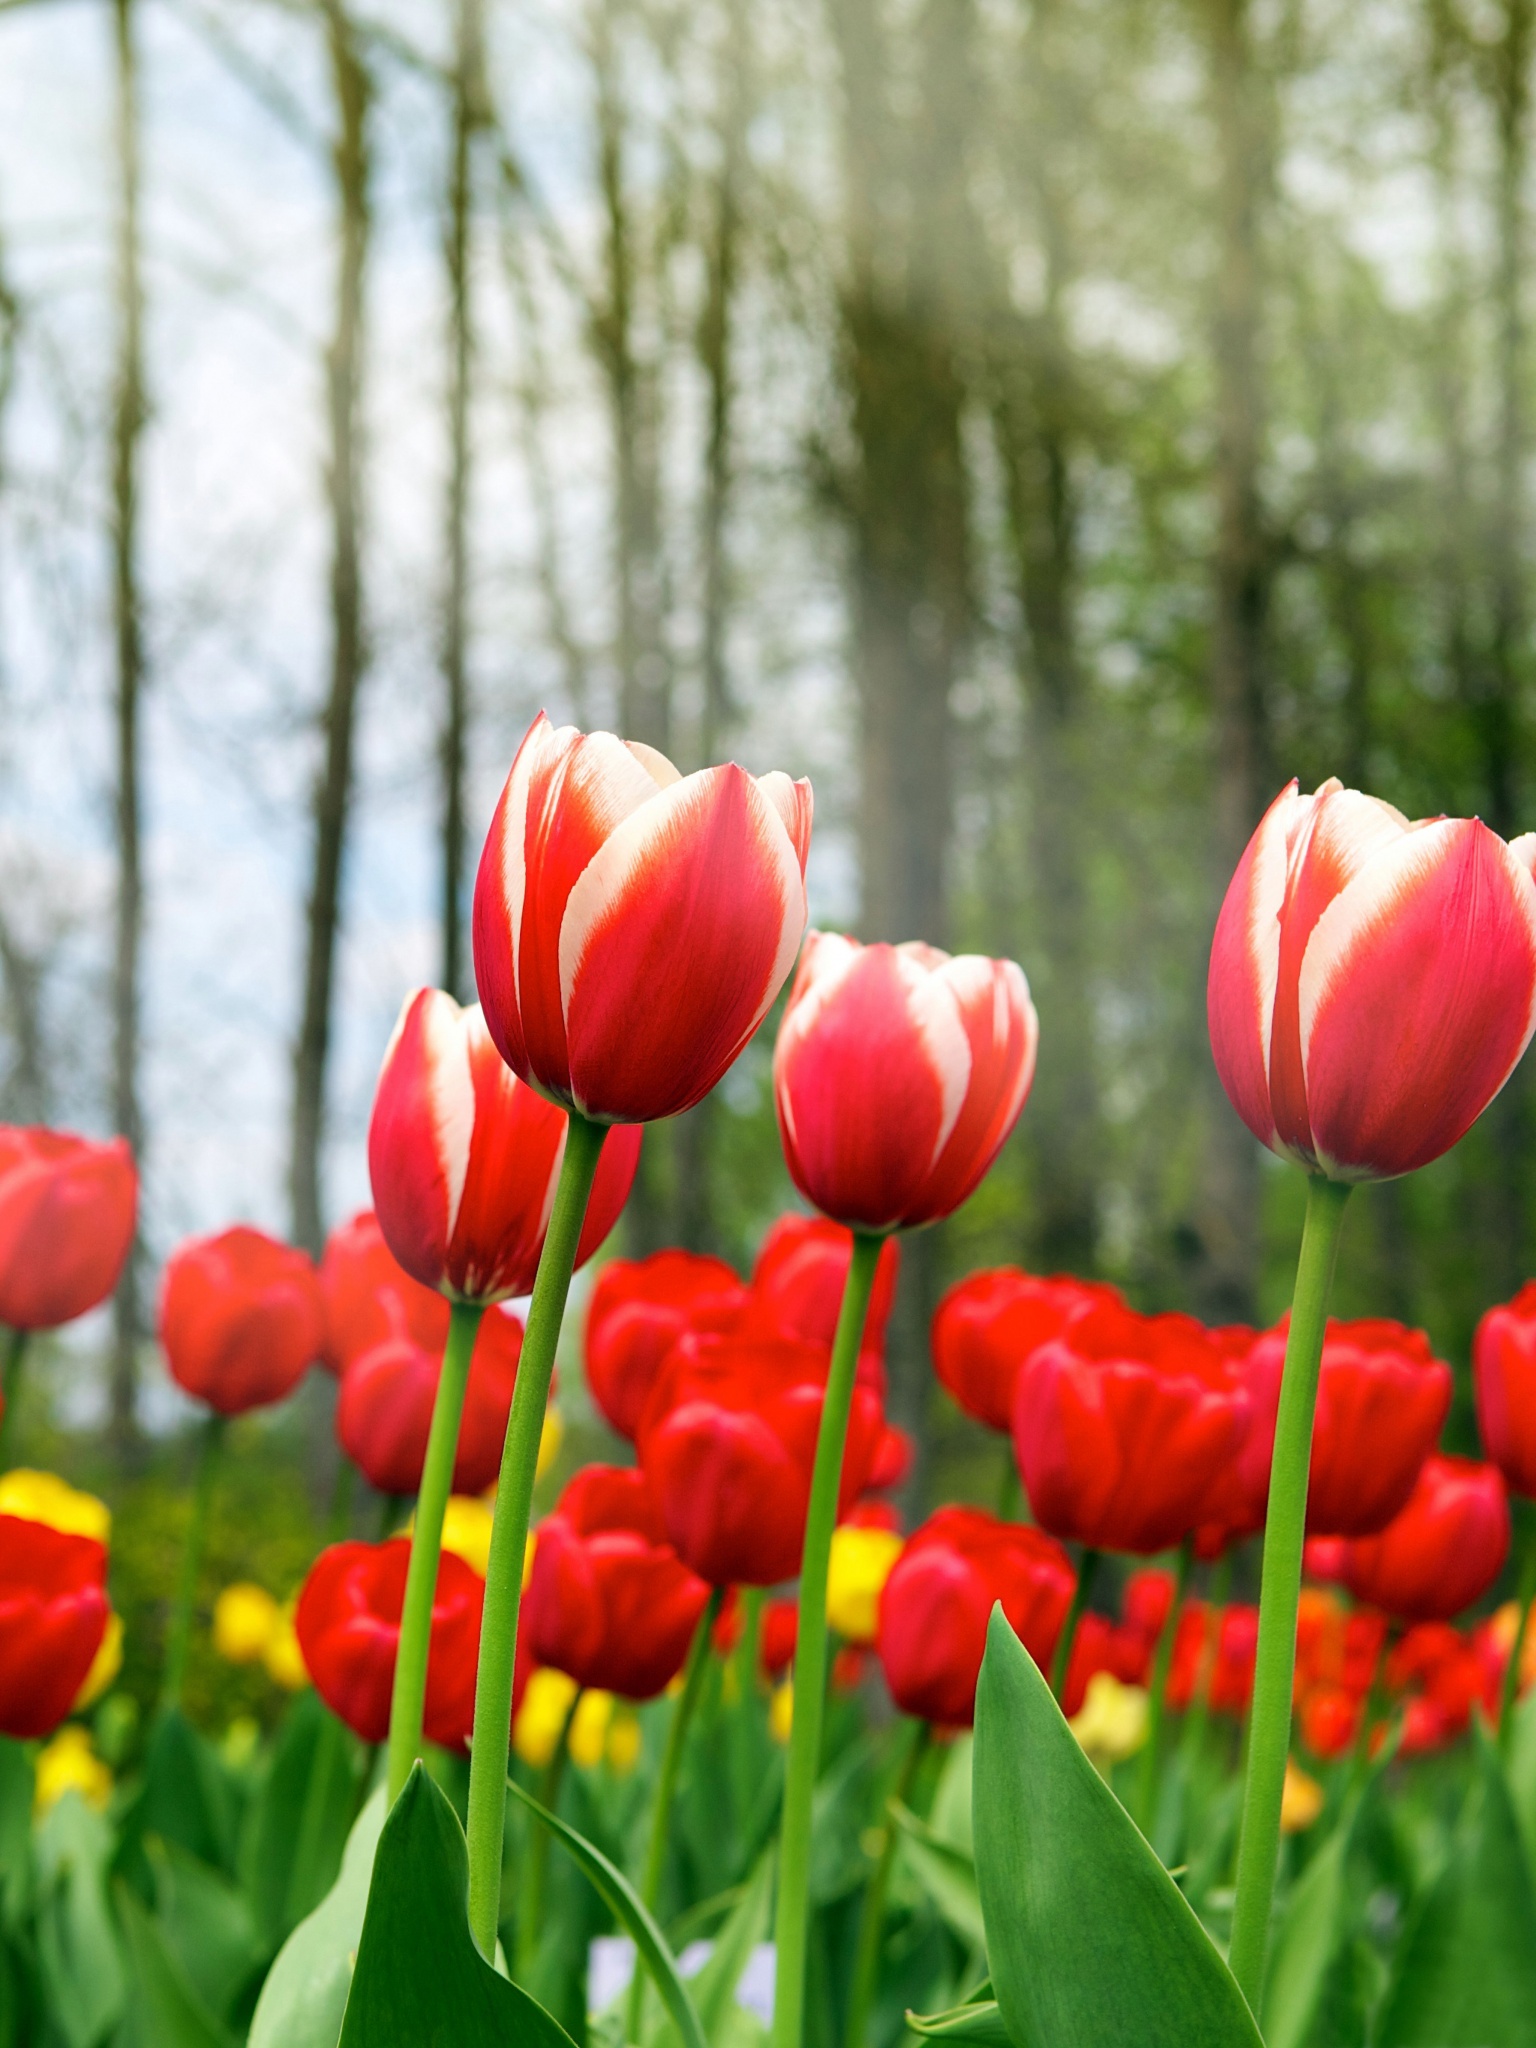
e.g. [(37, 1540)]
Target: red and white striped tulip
[(898, 1074), (632, 925), (1373, 981), (464, 1158)]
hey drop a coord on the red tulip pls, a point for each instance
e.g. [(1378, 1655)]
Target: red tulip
[(1373, 982), (1382, 1397), (898, 1074), (463, 1158), (798, 1281), (1219, 1649), (990, 1322), (1443, 1551), (639, 1308), (369, 1296), (610, 1602), (1330, 1719), (348, 1625), (1123, 1427), (67, 1212), (241, 1318), (895, 1455), (779, 1635), (384, 1410), (1334, 1647), (1103, 1645), (939, 1597), (728, 1439), (632, 926), (1504, 1375), (53, 1615)]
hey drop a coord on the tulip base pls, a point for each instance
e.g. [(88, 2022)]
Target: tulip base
[(790, 1925), (1269, 1738), (509, 1531)]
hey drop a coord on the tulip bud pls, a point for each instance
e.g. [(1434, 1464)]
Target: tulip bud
[(990, 1322), (53, 1615), (369, 1297), (241, 1319), (638, 1310), (798, 1281), (384, 1411), (1442, 1552), (1504, 1375), (67, 1214)]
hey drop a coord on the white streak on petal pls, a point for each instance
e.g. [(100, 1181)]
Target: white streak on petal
[(661, 771), (934, 999), (451, 1092)]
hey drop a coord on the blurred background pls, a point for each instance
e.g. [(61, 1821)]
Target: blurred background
[(1049, 426)]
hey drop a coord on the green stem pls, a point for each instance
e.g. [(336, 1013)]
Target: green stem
[(530, 1890), (1285, 1529), (1061, 1663), (509, 1531), (10, 1387), (792, 1918), (666, 1784), (339, 1522), (1152, 1749), (179, 1636), (866, 1960), (408, 1702), (1010, 1495), (1510, 1690)]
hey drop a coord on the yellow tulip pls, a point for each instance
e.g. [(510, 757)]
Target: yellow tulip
[(542, 1716), (781, 1711), (244, 1619), (44, 1497), (105, 1665), (467, 1530), (1302, 1800), (859, 1566), (69, 1764), (589, 1729), (282, 1656), (1111, 1724)]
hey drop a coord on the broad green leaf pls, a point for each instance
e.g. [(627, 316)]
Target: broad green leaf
[(208, 1927), (846, 1797), (15, 1833), (186, 1795), (419, 1978), (627, 1908), (164, 2011), (949, 1817), (1466, 1973), (1308, 1942), (980, 2022), (946, 1874), (1090, 1941), (305, 1995), (77, 1948), (297, 1826)]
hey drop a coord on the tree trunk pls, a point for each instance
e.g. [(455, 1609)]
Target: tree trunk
[(128, 414), (344, 364)]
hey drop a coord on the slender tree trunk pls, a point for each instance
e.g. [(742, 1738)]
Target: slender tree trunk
[(468, 118), (128, 415), (344, 369)]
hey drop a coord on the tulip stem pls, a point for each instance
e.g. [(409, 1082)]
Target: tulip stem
[(339, 1521), (1061, 1663), (1269, 1737), (666, 1783), (866, 1960), (509, 1531), (1509, 1692), (793, 1912), (178, 1638), (408, 1702), (1152, 1750), (10, 1387)]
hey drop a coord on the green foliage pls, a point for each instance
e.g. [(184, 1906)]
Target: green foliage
[(304, 1999)]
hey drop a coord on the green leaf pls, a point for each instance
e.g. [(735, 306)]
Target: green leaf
[(946, 1873), (1310, 1939), (624, 1902), (186, 1795), (297, 1826), (305, 1995), (1466, 1973), (164, 2011), (15, 1833), (714, 1988), (208, 1926), (980, 2022), (949, 1818), (1089, 1939), (1521, 1769), (77, 1948), (420, 1979)]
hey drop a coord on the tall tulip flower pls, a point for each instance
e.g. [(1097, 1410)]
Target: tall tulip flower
[(639, 1309), (632, 926), (989, 1323), (1442, 1552), (1372, 985), (53, 1616)]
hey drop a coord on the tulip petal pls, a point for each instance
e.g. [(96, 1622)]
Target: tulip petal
[(1245, 964), (1004, 1032), (1417, 996)]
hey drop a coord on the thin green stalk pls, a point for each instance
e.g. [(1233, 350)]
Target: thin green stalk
[(1152, 1749), (10, 1387), (1010, 1494), (530, 1889), (342, 1496), (1061, 1663), (1510, 1690), (866, 1959), (408, 1701), (509, 1531), (179, 1636), (793, 1913), (666, 1783), (389, 1516), (1269, 1738)]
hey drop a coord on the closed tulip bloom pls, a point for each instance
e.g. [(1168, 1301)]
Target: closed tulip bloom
[(798, 1281), (639, 1309), (610, 1602), (463, 1158), (895, 1455), (897, 1075), (369, 1296), (1443, 1551), (1372, 982), (53, 1616), (728, 1440), (1123, 1427), (348, 1624), (632, 925), (384, 1410), (990, 1322), (939, 1597), (1504, 1376), (1382, 1399), (67, 1212), (1330, 1719), (241, 1318)]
